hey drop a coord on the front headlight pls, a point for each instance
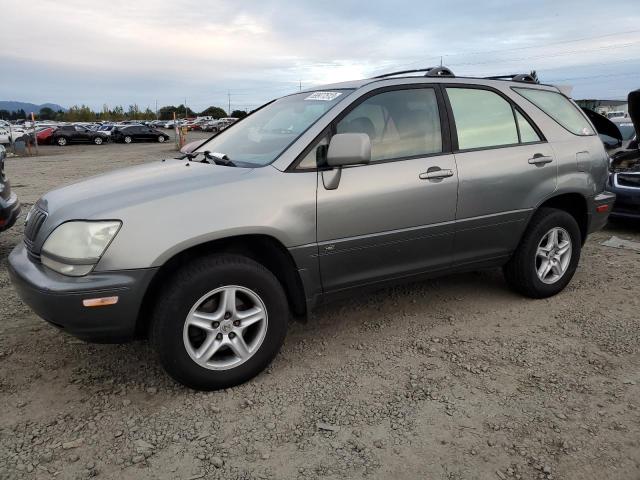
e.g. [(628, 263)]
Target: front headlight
[(74, 248)]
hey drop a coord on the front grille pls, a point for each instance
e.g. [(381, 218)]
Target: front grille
[(32, 228), (629, 180)]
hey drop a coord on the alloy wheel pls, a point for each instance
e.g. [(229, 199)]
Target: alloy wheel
[(225, 327), (553, 255)]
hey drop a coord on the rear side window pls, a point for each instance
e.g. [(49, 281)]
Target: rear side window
[(558, 107), (400, 123), (527, 133), (483, 119)]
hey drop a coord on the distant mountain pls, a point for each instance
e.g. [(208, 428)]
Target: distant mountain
[(13, 106)]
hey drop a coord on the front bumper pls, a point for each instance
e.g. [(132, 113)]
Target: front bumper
[(627, 202), (58, 299), (9, 212)]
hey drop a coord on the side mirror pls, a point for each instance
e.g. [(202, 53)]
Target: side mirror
[(349, 149)]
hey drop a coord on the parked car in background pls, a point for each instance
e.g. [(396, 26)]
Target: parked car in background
[(67, 134), (5, 137), (624, 179), (9, 205), (106, 129), (129, 134), (216, 126), (616, 114), (627, 130), (45, 135), (193, 125)]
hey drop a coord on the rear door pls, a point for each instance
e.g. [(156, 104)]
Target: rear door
[(505, 168), (393, 217)]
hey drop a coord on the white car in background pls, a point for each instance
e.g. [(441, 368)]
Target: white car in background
[(4, 135)]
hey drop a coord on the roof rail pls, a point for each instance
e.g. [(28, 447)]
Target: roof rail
[(429, 72), (517, 77)]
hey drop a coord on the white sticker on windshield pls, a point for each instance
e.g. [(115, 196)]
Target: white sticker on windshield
[(324, 96)]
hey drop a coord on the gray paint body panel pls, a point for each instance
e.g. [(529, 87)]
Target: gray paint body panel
[(383, 220)]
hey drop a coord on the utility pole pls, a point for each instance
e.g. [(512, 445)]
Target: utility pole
[(229, 97), (156, 109), (185, 108), (440, 60), (300, 85)]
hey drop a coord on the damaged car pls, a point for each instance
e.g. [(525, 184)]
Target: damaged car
[(624, 178)]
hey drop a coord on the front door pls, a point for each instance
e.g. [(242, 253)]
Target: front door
[(394, 217)]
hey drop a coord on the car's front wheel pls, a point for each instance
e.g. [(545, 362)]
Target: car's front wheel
[(161, 138), (546, 259), (128, 139), (62, 141), (219, 322), (97, 140)]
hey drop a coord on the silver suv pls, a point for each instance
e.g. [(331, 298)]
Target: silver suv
[(316, 195)]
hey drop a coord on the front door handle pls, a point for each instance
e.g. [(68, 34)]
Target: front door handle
[(435, 173), (540, 159)]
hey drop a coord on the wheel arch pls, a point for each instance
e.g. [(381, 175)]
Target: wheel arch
[(573, 203), (261, 248)]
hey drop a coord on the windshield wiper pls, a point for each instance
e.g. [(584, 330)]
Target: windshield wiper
[(219, 158), (216, 158)]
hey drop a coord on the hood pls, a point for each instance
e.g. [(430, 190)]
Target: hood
[(634, 109), (95, 197), (603, 125), (628, 159)]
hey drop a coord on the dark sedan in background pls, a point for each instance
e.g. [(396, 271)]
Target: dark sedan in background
[(67, 134), (9, 205), (138, 133)]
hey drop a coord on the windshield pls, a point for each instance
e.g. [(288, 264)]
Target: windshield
[(261, 137)]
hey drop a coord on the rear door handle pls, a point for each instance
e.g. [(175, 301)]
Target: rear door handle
[(539, 159), (435, 173)]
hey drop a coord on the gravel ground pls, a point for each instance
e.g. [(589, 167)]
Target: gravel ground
[(454, 378)]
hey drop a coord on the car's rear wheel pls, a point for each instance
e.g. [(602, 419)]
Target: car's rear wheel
[(219, 322), (161, 138), (97, 140), (546, 259), (127, 139), (62, 141)]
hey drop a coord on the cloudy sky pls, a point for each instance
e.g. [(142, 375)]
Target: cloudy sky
[(143, 51)]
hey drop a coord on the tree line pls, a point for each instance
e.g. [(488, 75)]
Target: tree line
[(83, 113)]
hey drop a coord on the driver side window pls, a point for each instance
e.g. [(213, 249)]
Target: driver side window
[(399, 123)]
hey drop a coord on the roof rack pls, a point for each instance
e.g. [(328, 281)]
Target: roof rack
[(517, 77), (429, 72)]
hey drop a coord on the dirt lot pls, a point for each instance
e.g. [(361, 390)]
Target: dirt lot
[(455, 378)]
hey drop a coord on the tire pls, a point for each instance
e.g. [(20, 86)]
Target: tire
[(176, 343), (61, 141), (97, 140), (534, 255), (161, 138), (128, 139)]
